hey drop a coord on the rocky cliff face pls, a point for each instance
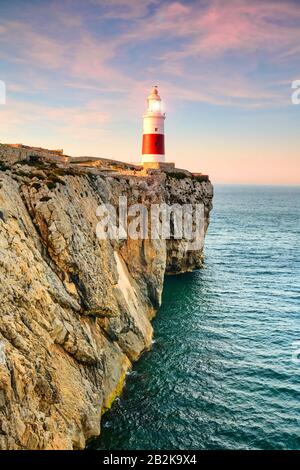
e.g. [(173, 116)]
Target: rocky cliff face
[(75, 310)]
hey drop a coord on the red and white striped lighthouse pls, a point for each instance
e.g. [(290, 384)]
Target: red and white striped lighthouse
[(153, 130)]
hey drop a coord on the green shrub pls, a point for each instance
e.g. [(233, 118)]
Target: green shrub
[(3, 166), (45, 199), (201, 178), (56, 179), (51, 185), (178, 175)]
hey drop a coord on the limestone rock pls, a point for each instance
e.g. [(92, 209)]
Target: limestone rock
[(75, 310)]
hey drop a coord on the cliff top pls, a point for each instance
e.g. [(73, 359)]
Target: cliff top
[(12, 154)]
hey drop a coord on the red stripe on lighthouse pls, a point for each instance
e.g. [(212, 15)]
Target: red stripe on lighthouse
[(153, 144)]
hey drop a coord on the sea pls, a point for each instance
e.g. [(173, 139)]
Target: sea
[(224, 369)]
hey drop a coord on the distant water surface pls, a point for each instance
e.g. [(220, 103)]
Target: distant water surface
[(220, 374)]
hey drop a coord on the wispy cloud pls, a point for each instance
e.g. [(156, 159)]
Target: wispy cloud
[(21, 44), (237, 26), (218, 50), (124, 9), (67, 123)]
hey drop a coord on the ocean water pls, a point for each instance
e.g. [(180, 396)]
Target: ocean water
[(223, 371)]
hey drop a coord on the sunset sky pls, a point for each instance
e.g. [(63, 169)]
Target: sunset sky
[(78, 72)]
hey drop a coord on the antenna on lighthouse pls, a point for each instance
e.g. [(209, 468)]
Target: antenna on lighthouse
[(153, 150)]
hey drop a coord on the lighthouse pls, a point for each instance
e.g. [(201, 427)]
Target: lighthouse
[(153, 151)]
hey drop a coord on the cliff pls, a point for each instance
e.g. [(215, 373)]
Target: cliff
[(75, 310)]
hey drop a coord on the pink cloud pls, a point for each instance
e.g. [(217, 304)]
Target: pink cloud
[(124, 9), (238, 26), (68, 121), (26, 45), (206, 33)]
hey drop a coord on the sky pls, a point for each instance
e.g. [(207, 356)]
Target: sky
[(78, 72)]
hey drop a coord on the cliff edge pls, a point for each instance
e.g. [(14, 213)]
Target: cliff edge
[(76, 310)]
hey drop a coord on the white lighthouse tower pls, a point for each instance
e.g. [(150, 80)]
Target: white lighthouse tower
[(153, 130)]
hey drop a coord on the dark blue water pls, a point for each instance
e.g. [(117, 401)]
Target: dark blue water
[(221, 374)]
